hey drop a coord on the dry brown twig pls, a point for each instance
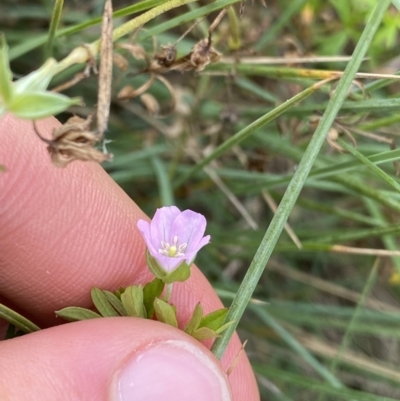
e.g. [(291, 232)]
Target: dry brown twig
[(90, 66), (73, 141), (235, 361), (105, 71), (166, 60), (202, 54)]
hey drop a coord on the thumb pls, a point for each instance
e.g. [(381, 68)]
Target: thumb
[(110, 359)]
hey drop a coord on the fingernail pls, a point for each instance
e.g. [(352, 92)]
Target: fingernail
[(169, 371)]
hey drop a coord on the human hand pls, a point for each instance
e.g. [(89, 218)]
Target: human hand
[(62, 232)]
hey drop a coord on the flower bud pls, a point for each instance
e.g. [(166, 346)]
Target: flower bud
[(27, 97)]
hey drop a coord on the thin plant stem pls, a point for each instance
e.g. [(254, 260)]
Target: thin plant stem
[(274, 230), (371, 166), (82, 54), (55, 20), (168, 291), (35, 42)]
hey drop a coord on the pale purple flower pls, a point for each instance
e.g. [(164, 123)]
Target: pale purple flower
[(173, 237)]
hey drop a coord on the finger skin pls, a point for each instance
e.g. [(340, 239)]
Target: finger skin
[(78, 361), (63, 231)]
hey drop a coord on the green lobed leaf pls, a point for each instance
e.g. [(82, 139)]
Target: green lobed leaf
[(215, 319), (101, 303), (37, 105), (115, 302), (132, 300), (181, 273), (195, 320), (204, 333), (151, 291), (5, 72), (222, 328), (165, 312), (17, 320), (75, 313), (118, 293)]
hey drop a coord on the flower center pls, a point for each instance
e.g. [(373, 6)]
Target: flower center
[(173, 250)]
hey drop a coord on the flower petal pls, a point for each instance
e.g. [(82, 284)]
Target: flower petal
[(144, 228), (189, 227), (170, 222), (161, 224), (191, 255), (204, 241), (168, 264)]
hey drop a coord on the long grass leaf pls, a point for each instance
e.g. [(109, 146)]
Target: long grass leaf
[(277, 224)]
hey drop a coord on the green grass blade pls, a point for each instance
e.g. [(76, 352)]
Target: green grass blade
[(346, 180), (282, 22), (296, 346), (277, 224), (245, 133), (31, 44), (302, 381), (164, 183), (55, 20), (388, 240), (375, 169), (364, 295), (262, 93), (186, 17)]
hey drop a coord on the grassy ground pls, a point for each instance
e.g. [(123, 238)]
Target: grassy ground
[(325, 316)]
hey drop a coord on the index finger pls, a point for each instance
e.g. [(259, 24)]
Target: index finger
[(63, 231)]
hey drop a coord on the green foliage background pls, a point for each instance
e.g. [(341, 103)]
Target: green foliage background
[(322, 324)]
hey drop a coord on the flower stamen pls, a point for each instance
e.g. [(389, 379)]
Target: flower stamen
[(175, 250)]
